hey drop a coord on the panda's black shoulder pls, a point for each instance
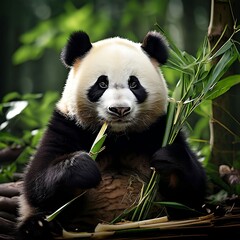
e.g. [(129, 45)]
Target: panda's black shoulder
[(63, 132), (59, 118), (61, 123)]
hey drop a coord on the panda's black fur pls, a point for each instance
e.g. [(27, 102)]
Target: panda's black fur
[(62, 168), (72, 51)]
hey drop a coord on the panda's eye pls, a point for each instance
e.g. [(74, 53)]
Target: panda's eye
[(133, 82), (103, 82)]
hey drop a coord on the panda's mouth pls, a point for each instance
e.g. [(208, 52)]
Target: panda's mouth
[(119, 124), (118, 118), (119, 121)]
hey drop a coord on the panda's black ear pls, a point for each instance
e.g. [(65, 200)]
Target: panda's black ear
[(156, 46), (77, 46)]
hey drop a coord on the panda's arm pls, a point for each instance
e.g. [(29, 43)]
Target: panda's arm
[(61, 163), (182, 178)]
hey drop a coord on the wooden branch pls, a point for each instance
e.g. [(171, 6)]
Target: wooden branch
[(10, 189), (7, 227), (9, 194), (9, 154)]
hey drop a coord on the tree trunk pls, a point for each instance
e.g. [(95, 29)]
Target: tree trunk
[(224, 126)]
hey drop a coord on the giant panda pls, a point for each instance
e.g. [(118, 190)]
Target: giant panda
[(119, 82)]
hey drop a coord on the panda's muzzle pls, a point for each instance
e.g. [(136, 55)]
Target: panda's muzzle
[(119, 111)]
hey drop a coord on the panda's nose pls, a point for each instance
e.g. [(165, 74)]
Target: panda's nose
[(119, 111)]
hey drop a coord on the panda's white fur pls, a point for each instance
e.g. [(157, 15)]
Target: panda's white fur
[(119, 82), (118, 59)]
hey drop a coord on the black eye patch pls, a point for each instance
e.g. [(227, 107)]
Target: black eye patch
[(137, 89), (98, 88)]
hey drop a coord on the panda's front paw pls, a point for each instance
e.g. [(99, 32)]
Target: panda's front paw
[(35, 227), (83, 171), (172, 158)]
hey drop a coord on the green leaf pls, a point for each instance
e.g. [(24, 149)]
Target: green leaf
[(3, 145), (198, 79), (59, 210), (26, 52), (97, 147), (31, 96), (222, 86), (225, 47), (37, 135), (25, 155), (6, 173), (175, 205), (11, 96), (6, 137), (223, 64)]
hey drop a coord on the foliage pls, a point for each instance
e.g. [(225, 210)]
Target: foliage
[(199, 81), (23, 119), (53, 33), (98, 143)]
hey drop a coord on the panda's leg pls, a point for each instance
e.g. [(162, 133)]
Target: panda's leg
[(36, 227), (182, 178), (58, 180), (49, 189)]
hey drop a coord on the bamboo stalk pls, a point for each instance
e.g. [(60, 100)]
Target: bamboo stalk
[(187, 95), (137, 224)]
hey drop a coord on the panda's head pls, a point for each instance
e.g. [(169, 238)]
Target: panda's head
[(114, 80)]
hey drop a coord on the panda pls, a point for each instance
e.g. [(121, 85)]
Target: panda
[(119, 82)]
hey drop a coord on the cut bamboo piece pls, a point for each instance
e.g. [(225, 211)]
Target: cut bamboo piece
[(78, 235), (121, 226)]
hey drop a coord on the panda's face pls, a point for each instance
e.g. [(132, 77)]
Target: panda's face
[(118, 83)]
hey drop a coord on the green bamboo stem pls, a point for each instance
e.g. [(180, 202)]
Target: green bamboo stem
[(190, 91)]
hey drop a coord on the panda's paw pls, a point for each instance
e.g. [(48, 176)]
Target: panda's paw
[(37, 228), (170, 159), (83, 171)]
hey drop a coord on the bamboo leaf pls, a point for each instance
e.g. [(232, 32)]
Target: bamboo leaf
[(97, 147), (59, 210), (175, 205), (169, 124), (100, 134), (11, 96), (225, 47), (223, 86), (199, 80), (223, 64)]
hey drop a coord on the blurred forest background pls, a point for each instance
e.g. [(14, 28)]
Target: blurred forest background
[(33, 33)]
